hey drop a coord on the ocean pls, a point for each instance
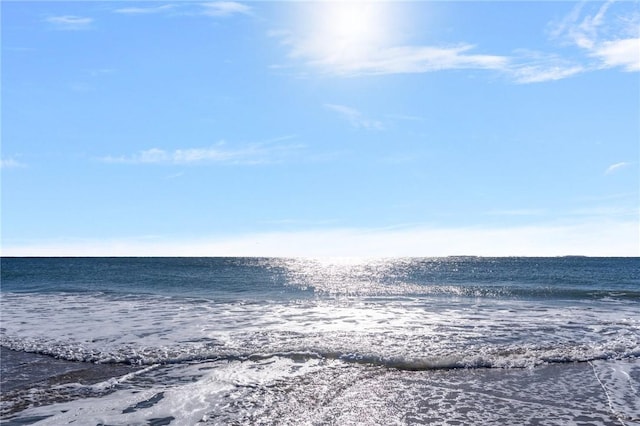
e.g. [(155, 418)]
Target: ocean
[(274, 341)]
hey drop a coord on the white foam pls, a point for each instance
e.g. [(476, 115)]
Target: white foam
[(186, 392), (422, 331), (290, 390), (620, 382)]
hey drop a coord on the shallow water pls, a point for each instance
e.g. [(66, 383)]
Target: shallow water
[(303, 341), (284, 391)]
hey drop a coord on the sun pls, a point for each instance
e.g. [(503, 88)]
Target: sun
[(341, 31), (352, 24)]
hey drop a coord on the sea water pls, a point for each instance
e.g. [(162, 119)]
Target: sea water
[(207, 341)]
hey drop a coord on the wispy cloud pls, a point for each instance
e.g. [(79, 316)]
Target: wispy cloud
[(144, 10), (376, 60), (603, 40), (216, 9), (616, 167), (225, 8), (355, 117), (539, 74), (97, 72), (174, 175), (361, 38), (220, 153), (70, 22), (613, 41), (521, 67), (536, 67), (11, 163)]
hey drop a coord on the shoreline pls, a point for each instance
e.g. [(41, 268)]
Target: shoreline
[(593, 391), (23, 374)]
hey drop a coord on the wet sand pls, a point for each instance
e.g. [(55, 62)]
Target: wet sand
[(589, 393), (25, 375)]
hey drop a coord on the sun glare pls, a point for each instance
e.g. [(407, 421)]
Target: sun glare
[(344, 30), (351, 23)]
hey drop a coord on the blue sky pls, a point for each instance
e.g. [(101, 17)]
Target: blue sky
[(320, 129)]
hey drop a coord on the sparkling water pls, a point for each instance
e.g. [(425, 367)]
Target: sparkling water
[(459, 340)]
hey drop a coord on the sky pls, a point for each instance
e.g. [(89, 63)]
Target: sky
[(333, 128)]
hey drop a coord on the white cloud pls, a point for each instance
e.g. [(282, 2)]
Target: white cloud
[(536, 67), (10, 163), (623, 53), (257, 153), (615, 167), (144, 10), (604, 40), (365, 38), (70, 22), (355, 117), (613, 41), (422, 59), (594, 238), (542, 73), (213, 9), (174, 175), (324, 55), (225, 8)]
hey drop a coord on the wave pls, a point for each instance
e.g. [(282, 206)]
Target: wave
[(489, 356), (471, 290), (402, 333)]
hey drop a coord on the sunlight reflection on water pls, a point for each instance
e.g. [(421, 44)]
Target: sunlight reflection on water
[(352, 276)]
